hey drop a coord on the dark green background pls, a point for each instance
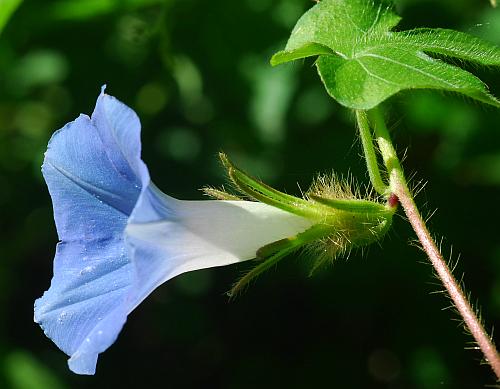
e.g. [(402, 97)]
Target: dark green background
[(197, 73)]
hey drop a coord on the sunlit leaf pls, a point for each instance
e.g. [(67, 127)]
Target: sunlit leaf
[(362, 62), (7, 8), (307, 50)]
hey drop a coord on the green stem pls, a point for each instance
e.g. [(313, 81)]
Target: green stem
[(370, 156), (399, 187)]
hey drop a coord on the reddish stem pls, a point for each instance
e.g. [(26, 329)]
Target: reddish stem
[(456, 293), (399, 187)]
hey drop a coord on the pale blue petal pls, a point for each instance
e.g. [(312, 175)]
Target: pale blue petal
[(93, 170), (120, 130)]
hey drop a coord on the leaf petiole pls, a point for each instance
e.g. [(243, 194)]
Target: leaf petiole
[(370, 156)]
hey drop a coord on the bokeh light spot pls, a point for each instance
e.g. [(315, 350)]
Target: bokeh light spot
[(23, 371), (33, 119), (151, 98), (39, 68), (313, 105), (429, 369), (181, 144)]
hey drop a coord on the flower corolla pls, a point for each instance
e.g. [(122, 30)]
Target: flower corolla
[(121, 237)]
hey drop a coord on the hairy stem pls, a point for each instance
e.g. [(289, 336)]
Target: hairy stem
[(399, 187), (370, 156)]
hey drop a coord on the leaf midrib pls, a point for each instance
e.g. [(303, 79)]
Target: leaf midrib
[(414, 49)]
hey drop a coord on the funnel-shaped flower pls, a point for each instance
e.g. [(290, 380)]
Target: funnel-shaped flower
[(120, 237)]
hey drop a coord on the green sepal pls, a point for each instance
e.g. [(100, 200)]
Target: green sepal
[(258, 270), (351, 205), (259, 191), (339, 222), (272, 248), (275, 252), (219, 194)]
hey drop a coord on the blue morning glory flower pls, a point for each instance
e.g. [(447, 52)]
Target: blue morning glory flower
[(121, 237)]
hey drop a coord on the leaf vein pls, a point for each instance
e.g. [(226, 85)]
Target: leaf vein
[(413, 68), (348, 17), (370, 73), (375, 21)]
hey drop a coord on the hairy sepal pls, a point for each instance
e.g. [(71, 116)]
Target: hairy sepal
[(341, 219)]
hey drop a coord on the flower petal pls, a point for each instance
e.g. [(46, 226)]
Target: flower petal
[(120, 130), (93, 170)]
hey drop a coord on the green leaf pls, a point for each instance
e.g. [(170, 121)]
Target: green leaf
[(7, 8), (307, 50), (362, 62), (452, 44)]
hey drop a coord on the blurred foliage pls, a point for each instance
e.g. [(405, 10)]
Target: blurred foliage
[(197, 73)]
